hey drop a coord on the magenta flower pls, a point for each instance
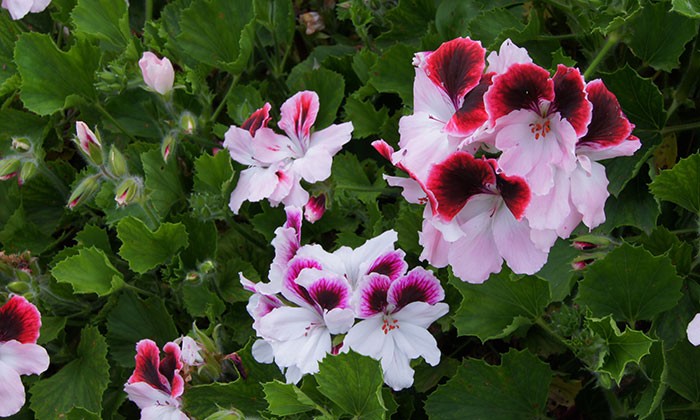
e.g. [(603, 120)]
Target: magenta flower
[(157, 73), (20, 322), (277, 163), (156, 385), (19, 8)]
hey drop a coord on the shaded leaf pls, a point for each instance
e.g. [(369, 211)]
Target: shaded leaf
[(163, 184), (690, 8), (639, 97), (681, 184), (106, 20), (89, 272), (329, 85), (683, 376), (623, 347), (394, 72), (286, 399)]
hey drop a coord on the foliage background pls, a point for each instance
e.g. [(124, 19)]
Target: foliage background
[(606, 342)]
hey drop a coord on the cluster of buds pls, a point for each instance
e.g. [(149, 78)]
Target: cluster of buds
[(128, 188), (593, 247), (22, 163)]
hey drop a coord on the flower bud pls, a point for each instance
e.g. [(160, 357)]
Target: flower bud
[(207, 267), (314, 208), (590, 242), (89, 143), (583, 261), (188, 122), (168, 146), (157, 73), (192, 277), (128, 191), (117, 163), (19, 287), (9, 168), (28, 170), (21, 144), (87, 187)]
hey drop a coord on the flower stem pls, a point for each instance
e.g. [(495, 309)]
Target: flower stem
[(148, 12), (610, 42), (680, 127), (222, 104)]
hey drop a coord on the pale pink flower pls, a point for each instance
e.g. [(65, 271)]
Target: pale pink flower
[(507, 55), (19, 8), (157, 73), (693, 330)]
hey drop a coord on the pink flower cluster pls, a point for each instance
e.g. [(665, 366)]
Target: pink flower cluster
[(366, 293), (505, 156)]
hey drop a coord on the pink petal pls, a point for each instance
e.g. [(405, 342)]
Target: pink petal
[(515, 245), (170, 367), (507, 55), (475, 256), (570, 98), (19, 320), (589, 191), (430, 98), (148, 367), (254, 184), (239, 144), (390, 264), (329, 293), (435, 248), (419, 285), (163, 412), (523, 86), (144, 395), (24, 358), (549, 211), (12, 396), (626, 148), (39, 5), (424, 141), (17, 8), (258, 119), (298, 114), (456, 66), (291, 288), (270, 148), (315, 208)]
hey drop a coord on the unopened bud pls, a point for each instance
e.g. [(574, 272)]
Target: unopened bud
[(28, 170), (19, 287), (89, 143), (207, 267), (87, 187), (314, 208), (238, 363), (590, 242), (21, 144), (168, 146), (9, 168), (117, 163), (312, 21), (229, 414), (192, 277), (583, 261), (188, 122), (128, 191)]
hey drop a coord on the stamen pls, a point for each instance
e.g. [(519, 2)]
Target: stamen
[(540, 129), (389, 324)]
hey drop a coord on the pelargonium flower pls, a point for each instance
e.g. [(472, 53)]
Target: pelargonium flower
[(536, 121), (156, 385), (20, 322), (396, 314), (158, 73), (277, 163), (19, 8)]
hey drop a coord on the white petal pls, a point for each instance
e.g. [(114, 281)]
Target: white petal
[(144, 395), (254, 184), (421, 313), (162, 412), (367, 338), (693, 330), (339, 320), (589, 191), (17, 8), (285, 323), (398, 373), (515, 245), (262, 351), (11, 391)]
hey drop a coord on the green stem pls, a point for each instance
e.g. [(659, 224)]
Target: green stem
[(548, 37), (147, 207), (544, 326), (680, 127), (610, 42), (148, 11), (116, 123), (138, 290), (217, 111)]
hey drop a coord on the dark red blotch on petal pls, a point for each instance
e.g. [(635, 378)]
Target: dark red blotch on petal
[(515, 193), (148, 366), (417, 286), (329, 294), (570, 98), (609, 126), (257, 119), (456, 66), (19, 320), (374, 295), (523, 86), (390, 264), (455, 180), (472, 114)]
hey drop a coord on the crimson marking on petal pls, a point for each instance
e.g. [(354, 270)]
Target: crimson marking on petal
[(456, 67), (294, 220), (148, 366), (373, 298), (523, 86), (257, 120), (472, 114), (419, 285), (455, 180), (304, 109), (330, 293), (170, 362), (19, 320), (609, 126), (383, 148), (390, 264), (515, 192), (570, 98), (293, 271)]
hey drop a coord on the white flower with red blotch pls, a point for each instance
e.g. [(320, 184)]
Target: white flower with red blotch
[(277, 163), (19, 8), (20, 322), (157, 385), (396, 314), (448, 103)]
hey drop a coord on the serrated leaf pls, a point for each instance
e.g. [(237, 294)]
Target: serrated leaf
[(393, 72), (639, 98), (89, 272), (79, 384), (690, 8), (163, 184), (631, 284), (659, 37), (241, 105), (409, 20), (286, 399), (106, 20), (349, 178), (683, 376), (366, 119), (144, 249), (133, 319), (329, 85), (92, 235), (200, 301), (634, 206), (681, 184), (516, 389), (499, 306), (623, 347), (354, 383), (20, 234), (212, 174), (8, 36), (453, 17), (277, 16), (558, 271), (217, 33), (655, 369), (51, 326), (71, 77), (489, 26), (662, 241)]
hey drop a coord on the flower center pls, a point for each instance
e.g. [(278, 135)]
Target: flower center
[(540, 129), (389, 324)]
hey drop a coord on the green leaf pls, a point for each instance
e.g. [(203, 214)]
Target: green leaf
[(106, 20), (8, 36), (241, 105), (659, 37), (690, 8), (217, 33), (200, 301), (409, 20), (634, 206), (354, 383), (71, 77), (162, 181), (133, 319), (499, 306), (213, 174), (20, 234), (516, 389), (366, 120), (144, 249), (558, 271), (680, 184), (453, 17), (92, 235), (89, 272), (51, 326), (683, 375), (350, 179), (623, 348), (639, 97), (286, 399), (277, 17), (79, 384), (631, 284), (489, 27), (329, 85), (655, 369), (394, 72), (662, 241)]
